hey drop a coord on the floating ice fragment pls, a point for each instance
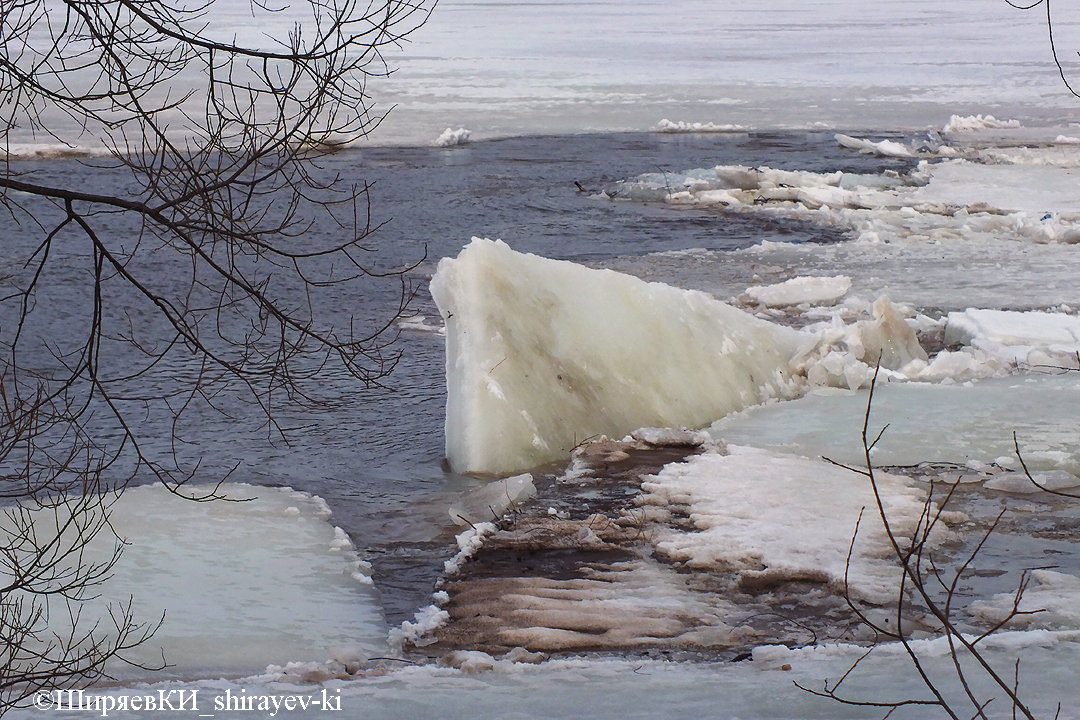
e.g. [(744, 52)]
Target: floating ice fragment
[(492, 501), (670, 437), (813, 290), (885, 148), (950, 423), (666, 126), (1051, 602), (1018, 482), (973, 123), (418, 323), (1032, 338)]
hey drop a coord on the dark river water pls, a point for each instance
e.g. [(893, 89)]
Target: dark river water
[(376, 454)]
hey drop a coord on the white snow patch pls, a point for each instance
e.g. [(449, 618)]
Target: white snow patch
[(469, 541), (451, 137), (419, 632)]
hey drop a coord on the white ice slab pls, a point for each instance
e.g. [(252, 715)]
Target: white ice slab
[(543, 354)]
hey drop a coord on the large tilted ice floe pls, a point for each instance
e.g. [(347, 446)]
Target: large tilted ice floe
[(543, 354), (237, 585)]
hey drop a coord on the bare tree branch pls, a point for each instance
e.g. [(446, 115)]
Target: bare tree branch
[(201, 233)]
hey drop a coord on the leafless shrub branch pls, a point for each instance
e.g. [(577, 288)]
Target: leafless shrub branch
[(921, 573)]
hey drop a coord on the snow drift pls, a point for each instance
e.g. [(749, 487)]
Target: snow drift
[(543, 354)]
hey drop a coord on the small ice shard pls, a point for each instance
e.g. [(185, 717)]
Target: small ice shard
[(885, 148), (813, 290), (490, 502), (888, 338), (543, 354)]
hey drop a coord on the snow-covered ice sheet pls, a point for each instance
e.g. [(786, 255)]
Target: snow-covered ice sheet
[(241, 584), (543, 354), (529, 67)]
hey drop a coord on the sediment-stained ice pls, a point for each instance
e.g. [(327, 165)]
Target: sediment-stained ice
[(543, 354), (772, 517)]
